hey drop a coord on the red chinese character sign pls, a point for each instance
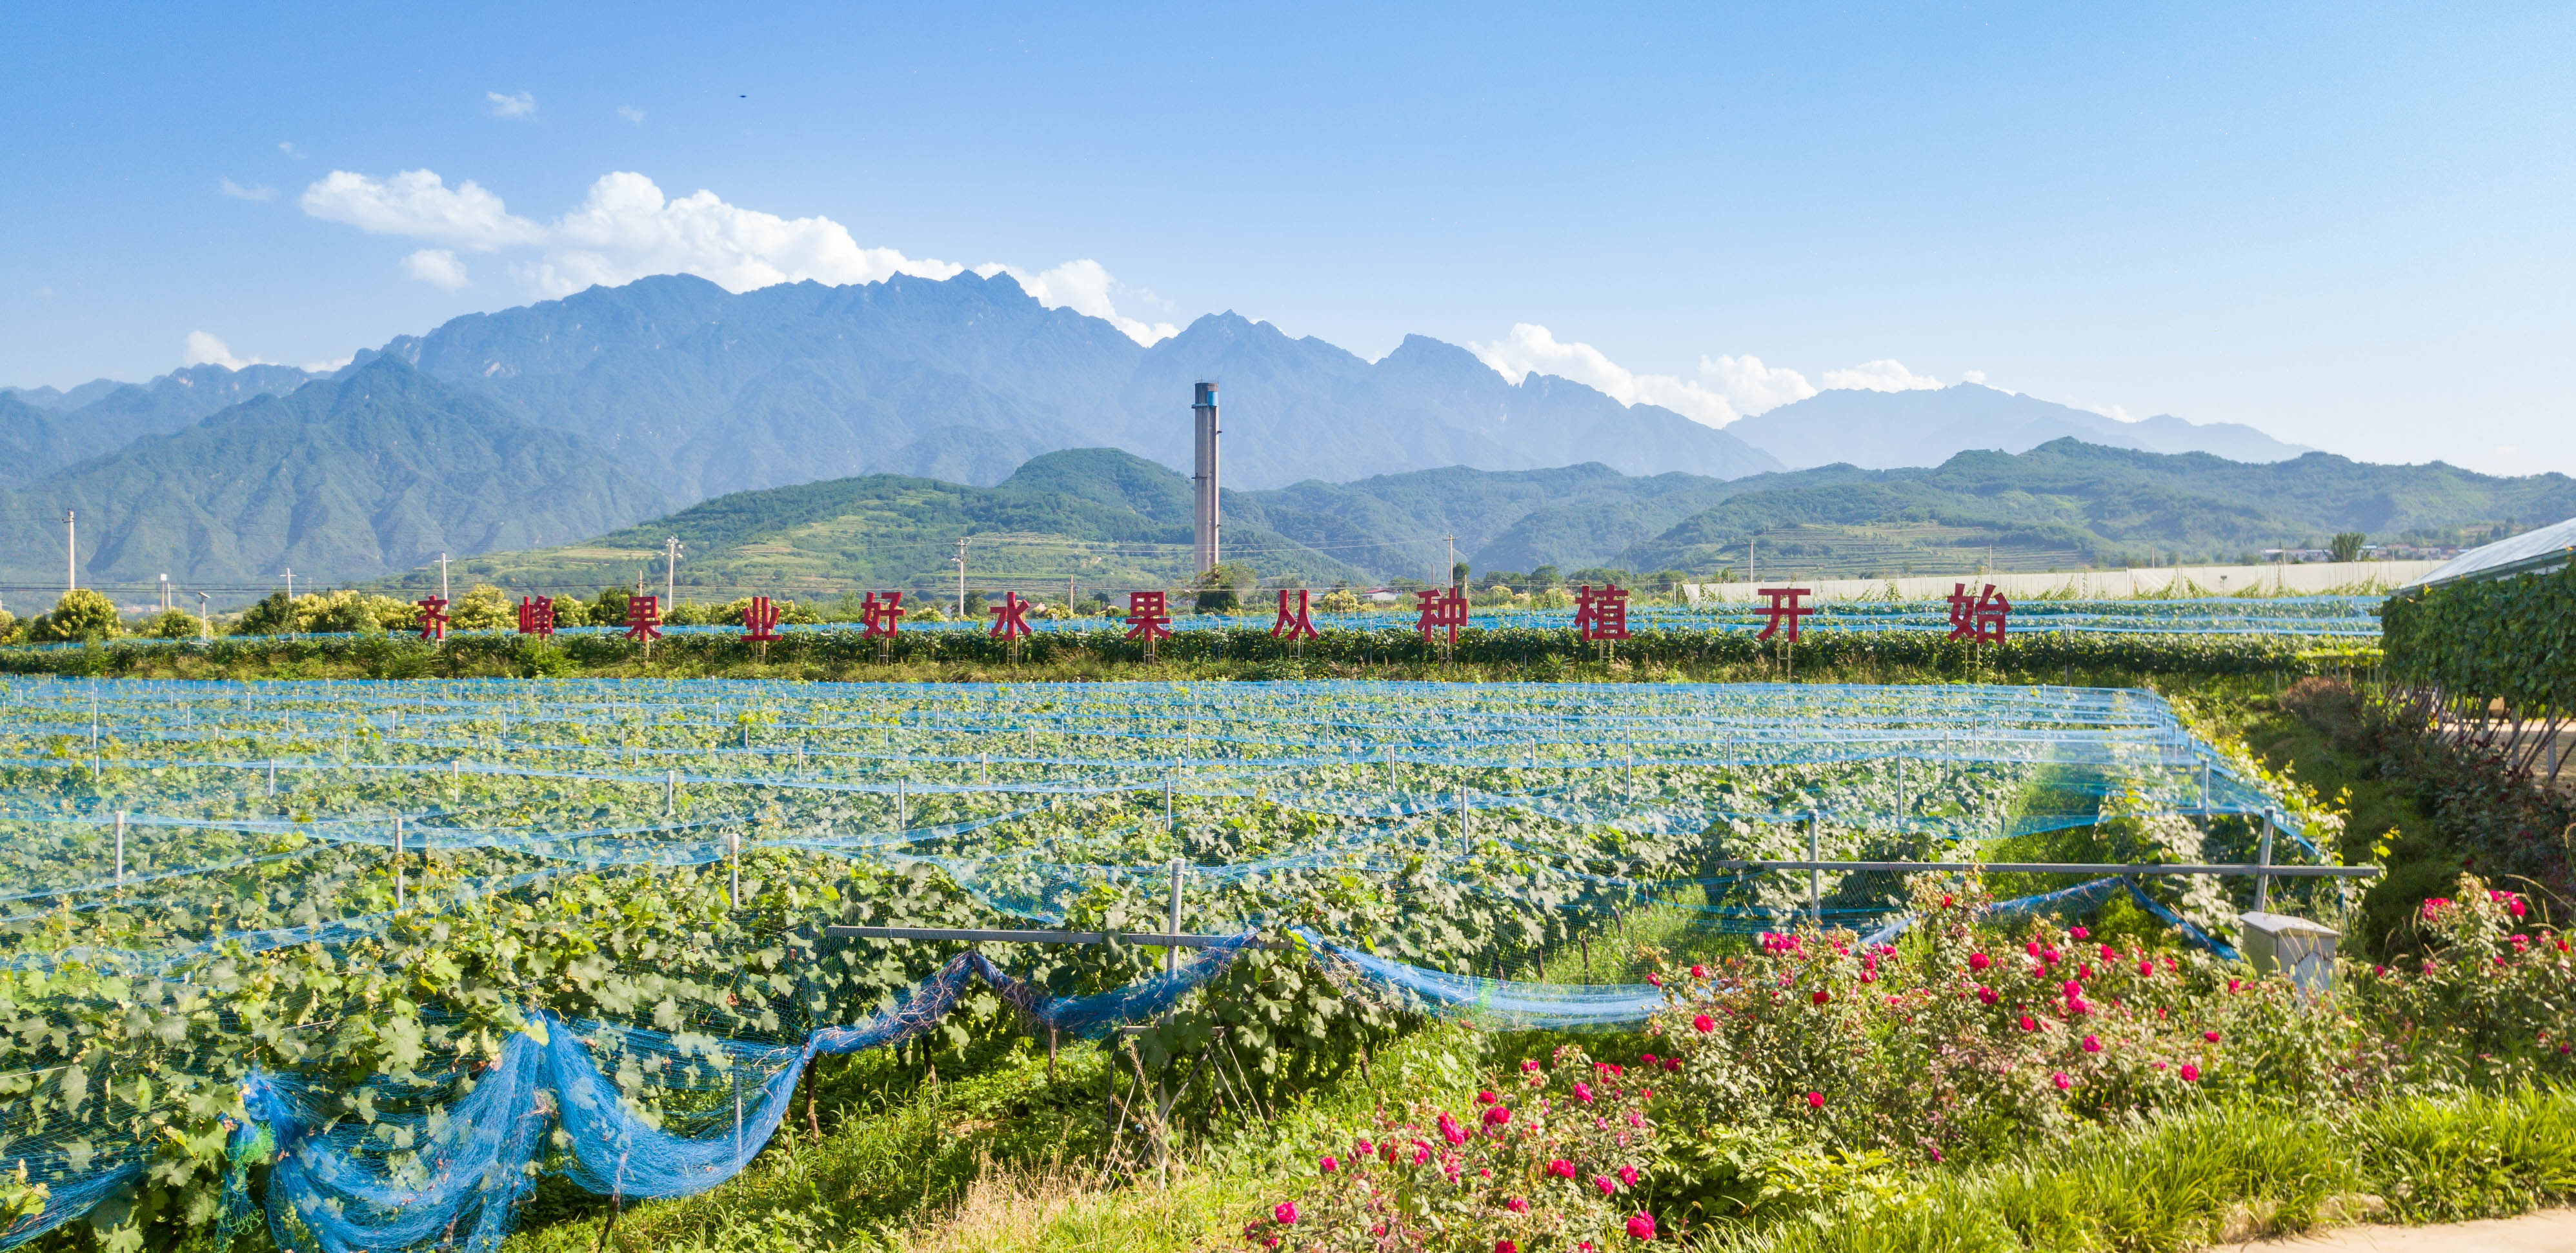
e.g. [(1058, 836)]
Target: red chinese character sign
[(1601, 615), (1148, 619), (537, 617), (1443, 609), (644, 620), (1981, 618), (759, 621), (1011, 618), (433, 617), (1292, 623), (1783, 609)]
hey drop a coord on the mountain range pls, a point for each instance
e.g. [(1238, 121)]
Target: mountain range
[(1110, 520), (578, 416)]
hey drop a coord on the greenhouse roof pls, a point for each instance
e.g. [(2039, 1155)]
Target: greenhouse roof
[(2532, 552)]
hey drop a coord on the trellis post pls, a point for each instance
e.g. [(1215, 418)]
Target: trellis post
[(1815, 878), (2263, 858), (398, 865), (120, 848)]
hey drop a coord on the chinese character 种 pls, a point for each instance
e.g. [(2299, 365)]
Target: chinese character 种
[(433, 617), (1011, 617), (1442, 609), (643, 618), (759, 621), (1980, 618), (1292, 623), (1784, 607), (537, 617), (1603, 615)]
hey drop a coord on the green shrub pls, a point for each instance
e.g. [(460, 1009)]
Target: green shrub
[(81, 614)]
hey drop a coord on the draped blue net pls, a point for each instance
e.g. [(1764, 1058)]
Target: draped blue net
[(148, 829)]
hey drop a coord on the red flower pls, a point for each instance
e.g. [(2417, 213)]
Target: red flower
[(1486, 1097), (1815, 1100), (2072, 989), (1284, 1213), (1672, 1063), (1822, 996), (1583, 1092), (2062, 1082), (1647, 1061), (1328, 1164), (1561, 1168), (1449, 1129), (1987, 995), (1516, 1205), (1657, 980), (2092, 1044), (1642, 1226), (2031, 948), (1947, 901), (2190, 1073), (2028, 1023), (1699, 972), (1497, 1116), (1979, 961), (1505, 1245), (1529, 1065), (1628, 1175), (2210, 1036), (2147, 968), (1603, 1182), (1704, 1024), (2079, 933)]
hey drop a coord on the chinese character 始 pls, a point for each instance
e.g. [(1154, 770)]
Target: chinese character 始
[(1981, 618)]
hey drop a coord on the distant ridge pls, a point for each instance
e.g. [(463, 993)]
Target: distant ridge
[(1923, 428)]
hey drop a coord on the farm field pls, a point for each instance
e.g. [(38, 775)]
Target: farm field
[(378, 924)]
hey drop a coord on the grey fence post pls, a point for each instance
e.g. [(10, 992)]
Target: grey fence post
[(2263, 857)]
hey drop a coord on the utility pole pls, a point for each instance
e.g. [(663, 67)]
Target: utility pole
[(290, 583), (165, 592), (205, 618), (960, 561), (71, 552), (442, 576), (670, 569), (1450, 576)]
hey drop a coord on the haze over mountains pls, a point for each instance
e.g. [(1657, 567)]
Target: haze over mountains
[(577, 416)]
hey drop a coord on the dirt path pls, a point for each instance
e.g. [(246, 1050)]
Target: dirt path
[(2550, 1231)]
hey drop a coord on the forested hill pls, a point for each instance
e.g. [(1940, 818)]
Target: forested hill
[(1111, 519)]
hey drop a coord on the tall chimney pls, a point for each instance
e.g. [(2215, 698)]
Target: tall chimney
[(1204, 529)]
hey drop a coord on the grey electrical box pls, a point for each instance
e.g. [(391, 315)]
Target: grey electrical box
[(2280, 942)]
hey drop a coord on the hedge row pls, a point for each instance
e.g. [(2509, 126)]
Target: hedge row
[(2513, 639), (1530, 650)]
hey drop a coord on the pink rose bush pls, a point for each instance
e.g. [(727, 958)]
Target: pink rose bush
[(1538, 1168)]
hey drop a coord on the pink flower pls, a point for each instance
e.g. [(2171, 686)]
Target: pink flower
[(1979, 961), (1603, 1182), (2147, 968), (2190, 1073), (1561, 1168), (1647, 1061), (2079, 933), (1815, 1100), (1529, 1065), (2031, 948), (2436, 905), (1284, 1213), (1583, 1092), (1628, 1175), (1987, 996), (1822, 996), (1657, 980), (2210, 1036), (1486, 1097), (2232, 984), (1636, 1119), (2110, 954), (1642, 1226), (2092, 1044), (1449, 1129), (1328, 1164), (2072, 989), (1703, 1024), (1422, 1152), (1517, 1205), (2028, 1023), (1505, 1245), (2516, 908), (1672, 1063), (2049, 955), (2084, 971), (2062, 1082), (1363, 1149), (1497, 1116)]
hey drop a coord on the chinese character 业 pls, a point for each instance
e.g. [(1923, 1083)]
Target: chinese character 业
[(1292, 623)]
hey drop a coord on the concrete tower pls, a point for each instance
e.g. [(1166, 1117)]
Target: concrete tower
[(1204, 529)]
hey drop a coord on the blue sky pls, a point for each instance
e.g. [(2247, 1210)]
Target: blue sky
[(2347, 225)]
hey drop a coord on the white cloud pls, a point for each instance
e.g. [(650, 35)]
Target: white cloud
[(437, 267), (631, 114), (1082, 286), (418, 204), (516, 104), (205, 349), (626, 229), (1725, 389), (328, 367), (1883, 375), (239, 192), (288, 147)]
